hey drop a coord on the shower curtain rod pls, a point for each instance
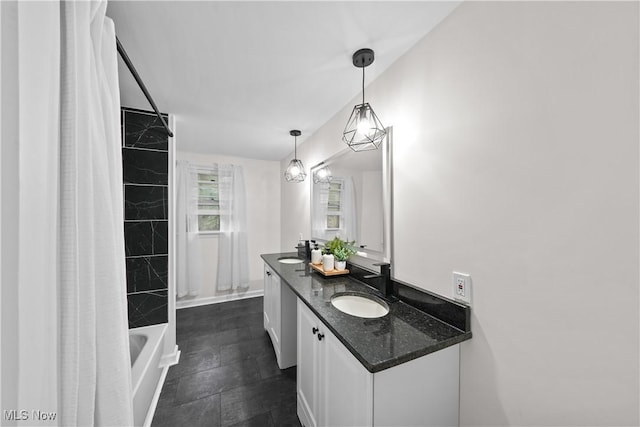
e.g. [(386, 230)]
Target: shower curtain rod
[(125, 58)]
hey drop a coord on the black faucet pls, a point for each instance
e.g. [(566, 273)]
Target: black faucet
[(386, 287)]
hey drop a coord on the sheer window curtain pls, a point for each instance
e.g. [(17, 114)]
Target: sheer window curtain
[(71, 310), (233, 253), (348, 217), (320, 204), (349, 210), (189, 280)]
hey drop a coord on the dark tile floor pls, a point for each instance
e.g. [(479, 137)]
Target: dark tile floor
[(228, 374)]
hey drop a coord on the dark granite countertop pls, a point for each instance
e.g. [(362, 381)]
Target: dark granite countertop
[(404, 334)]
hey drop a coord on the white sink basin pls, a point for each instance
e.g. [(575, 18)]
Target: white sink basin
[(360, 305), (291, 260)]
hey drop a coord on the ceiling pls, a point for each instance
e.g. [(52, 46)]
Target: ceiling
[(239, 75)]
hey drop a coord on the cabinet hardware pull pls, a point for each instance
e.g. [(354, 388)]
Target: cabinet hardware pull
[(268, 273), (320, 336), (314, 330)]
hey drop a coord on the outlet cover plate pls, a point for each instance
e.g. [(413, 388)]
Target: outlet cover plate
[(462, 287)]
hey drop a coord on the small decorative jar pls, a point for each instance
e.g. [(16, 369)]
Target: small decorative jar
[(328, 262), (341, 265), (316, 256)]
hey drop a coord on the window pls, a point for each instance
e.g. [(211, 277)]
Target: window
[(208, 202), (334, 205)]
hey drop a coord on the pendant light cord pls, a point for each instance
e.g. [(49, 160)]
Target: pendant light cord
[(295, 148), (362, 85)]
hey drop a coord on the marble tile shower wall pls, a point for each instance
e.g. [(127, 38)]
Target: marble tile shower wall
[(145, 162)]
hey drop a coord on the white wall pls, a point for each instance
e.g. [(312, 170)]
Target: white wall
[(30, 74), (516, 160), (9, 214), (262, 184)]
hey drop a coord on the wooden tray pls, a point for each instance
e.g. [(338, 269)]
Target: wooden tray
[(319, 269)]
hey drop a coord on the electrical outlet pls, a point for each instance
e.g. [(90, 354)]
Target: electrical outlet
[(462, 287)]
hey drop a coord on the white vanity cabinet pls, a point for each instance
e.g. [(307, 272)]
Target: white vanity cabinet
[(279, 311), (334, 388)]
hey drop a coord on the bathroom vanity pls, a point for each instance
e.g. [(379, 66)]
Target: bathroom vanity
[(398, 369)]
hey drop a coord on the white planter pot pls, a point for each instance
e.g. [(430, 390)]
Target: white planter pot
[(328, 262), (341, 265)]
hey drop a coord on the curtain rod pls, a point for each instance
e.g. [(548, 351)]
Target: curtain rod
[(125, 58)]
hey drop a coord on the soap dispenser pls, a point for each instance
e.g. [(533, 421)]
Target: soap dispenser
[(316, 255)]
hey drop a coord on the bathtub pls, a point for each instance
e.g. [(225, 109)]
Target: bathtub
[(146, 345)]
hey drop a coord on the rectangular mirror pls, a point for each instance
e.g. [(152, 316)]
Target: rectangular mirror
[(356, 203)]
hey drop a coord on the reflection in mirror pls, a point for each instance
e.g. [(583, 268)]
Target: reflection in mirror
[(355, 203)]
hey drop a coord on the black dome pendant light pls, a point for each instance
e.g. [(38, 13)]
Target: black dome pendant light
[(295, 171), (364, 130)]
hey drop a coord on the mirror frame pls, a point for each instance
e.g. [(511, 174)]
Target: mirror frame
[(364, 256)]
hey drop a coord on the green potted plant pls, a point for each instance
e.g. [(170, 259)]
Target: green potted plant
[(341, 251)]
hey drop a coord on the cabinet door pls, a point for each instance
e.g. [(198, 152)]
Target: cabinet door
[(334, 389), (279, 313), (346, 386), (307, 370), (266, 304), (287, 327), (274, 314)]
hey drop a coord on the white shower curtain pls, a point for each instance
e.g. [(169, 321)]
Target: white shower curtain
[(71, 354), (233, 252)]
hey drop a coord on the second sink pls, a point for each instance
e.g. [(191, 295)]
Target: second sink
[(290, 260), (360, 305)]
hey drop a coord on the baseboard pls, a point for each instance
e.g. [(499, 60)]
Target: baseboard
[(216, 299), (171, 358)]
